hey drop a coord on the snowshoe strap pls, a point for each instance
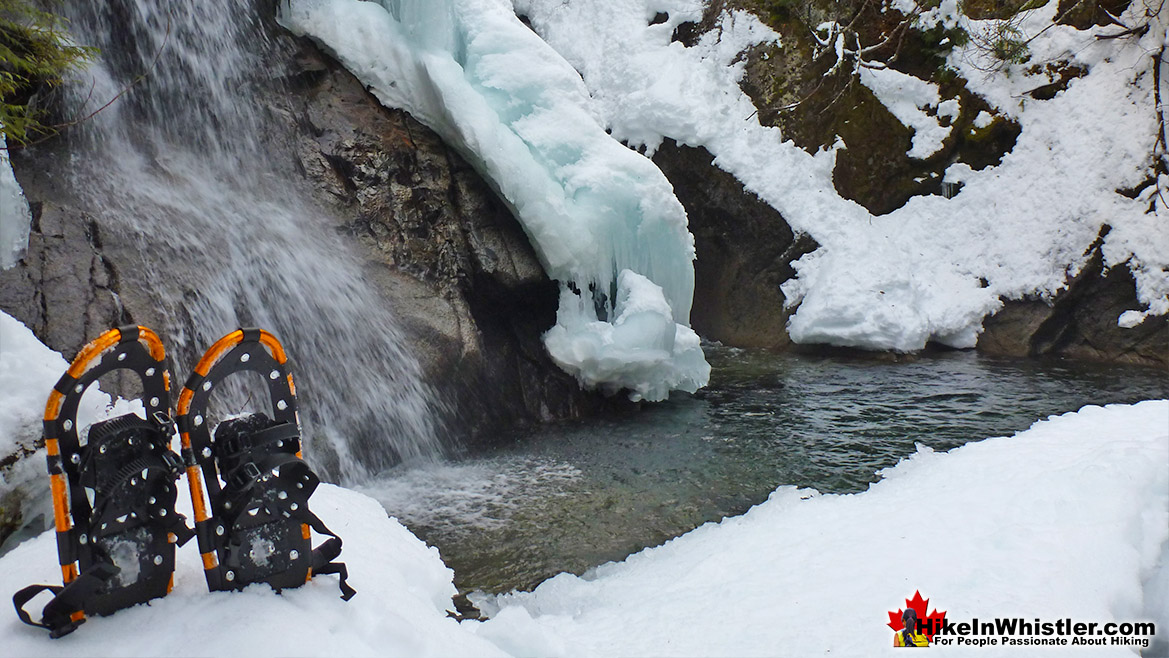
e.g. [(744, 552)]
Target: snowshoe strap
[(323, 557), (284, 436), (291, 471), (58, 614)]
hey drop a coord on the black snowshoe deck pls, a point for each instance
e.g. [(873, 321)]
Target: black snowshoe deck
[(254, 525), (113, 495)]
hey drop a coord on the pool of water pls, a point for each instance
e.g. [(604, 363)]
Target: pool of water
[(571, 496)]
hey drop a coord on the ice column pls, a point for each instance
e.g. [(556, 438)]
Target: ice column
[(603, 219)]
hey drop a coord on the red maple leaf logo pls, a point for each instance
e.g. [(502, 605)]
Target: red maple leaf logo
[(930, 624)]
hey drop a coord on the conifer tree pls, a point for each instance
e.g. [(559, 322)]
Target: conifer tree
[(36, 54)]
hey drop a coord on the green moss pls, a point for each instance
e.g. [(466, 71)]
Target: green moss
[(35, 54)]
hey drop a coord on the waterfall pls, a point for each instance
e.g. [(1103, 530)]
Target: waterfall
[(190, 163)]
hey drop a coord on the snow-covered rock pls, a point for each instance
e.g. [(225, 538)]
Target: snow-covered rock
[(471, 71)]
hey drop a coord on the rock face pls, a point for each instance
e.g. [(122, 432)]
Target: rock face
[(455, 264), (1080, 322), (445, 254), (745, 250), (66, 288)]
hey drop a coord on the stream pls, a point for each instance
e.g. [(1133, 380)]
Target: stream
[(571, 496)]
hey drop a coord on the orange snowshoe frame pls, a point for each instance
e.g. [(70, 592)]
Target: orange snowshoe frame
[(249, 485), (113, 498)]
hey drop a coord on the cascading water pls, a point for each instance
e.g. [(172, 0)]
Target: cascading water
[(191, 164)]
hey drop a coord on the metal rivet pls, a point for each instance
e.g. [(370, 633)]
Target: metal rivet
[(294, 507), (294, 554), (84, 539), (104, 526), (275, 374), (76, 458), (68, 424), (158, 559), (79, 388), (162, 512), (207, 386), (230, 575), (281, 405), (150, 372), (244, 357), (227, 505), (282, 495), (122, 356), (133, 482), (219, 530), (206, 452), (102, 450), (151, 500), (154, 402), (198, 421)]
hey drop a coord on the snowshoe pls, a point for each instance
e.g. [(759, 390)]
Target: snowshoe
[(113, 495), (254, 525)]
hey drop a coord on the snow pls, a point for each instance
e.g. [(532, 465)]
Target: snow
[(907, 98), (14, 212), (470, 70), (403, 592), (28, 371), (642, 350), (404, 589), (1066, 519), (933, 269)]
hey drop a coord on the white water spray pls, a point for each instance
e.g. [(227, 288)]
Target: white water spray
[(189, 162)]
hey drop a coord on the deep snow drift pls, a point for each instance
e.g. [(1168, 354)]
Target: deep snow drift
[(1069, 518), (603, 219)]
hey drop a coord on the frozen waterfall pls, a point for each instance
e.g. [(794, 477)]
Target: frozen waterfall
[(603, 219)]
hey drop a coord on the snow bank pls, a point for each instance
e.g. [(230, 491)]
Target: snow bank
[(404, 589), (28, 371), (14, 212), (1067, 519), (470, 70), (934, 268), (403, 592)]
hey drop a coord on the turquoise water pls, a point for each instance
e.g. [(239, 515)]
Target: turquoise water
[(570, 496)]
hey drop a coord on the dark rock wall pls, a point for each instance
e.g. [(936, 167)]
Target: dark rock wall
[(457, 266), (745, 250), (444, 253)]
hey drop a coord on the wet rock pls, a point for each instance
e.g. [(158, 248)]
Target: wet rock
[(66, 288), (745, 250), (449, 256), (1080, 322)]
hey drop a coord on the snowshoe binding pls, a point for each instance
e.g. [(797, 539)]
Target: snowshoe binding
[(113, 494), (257, 526)]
